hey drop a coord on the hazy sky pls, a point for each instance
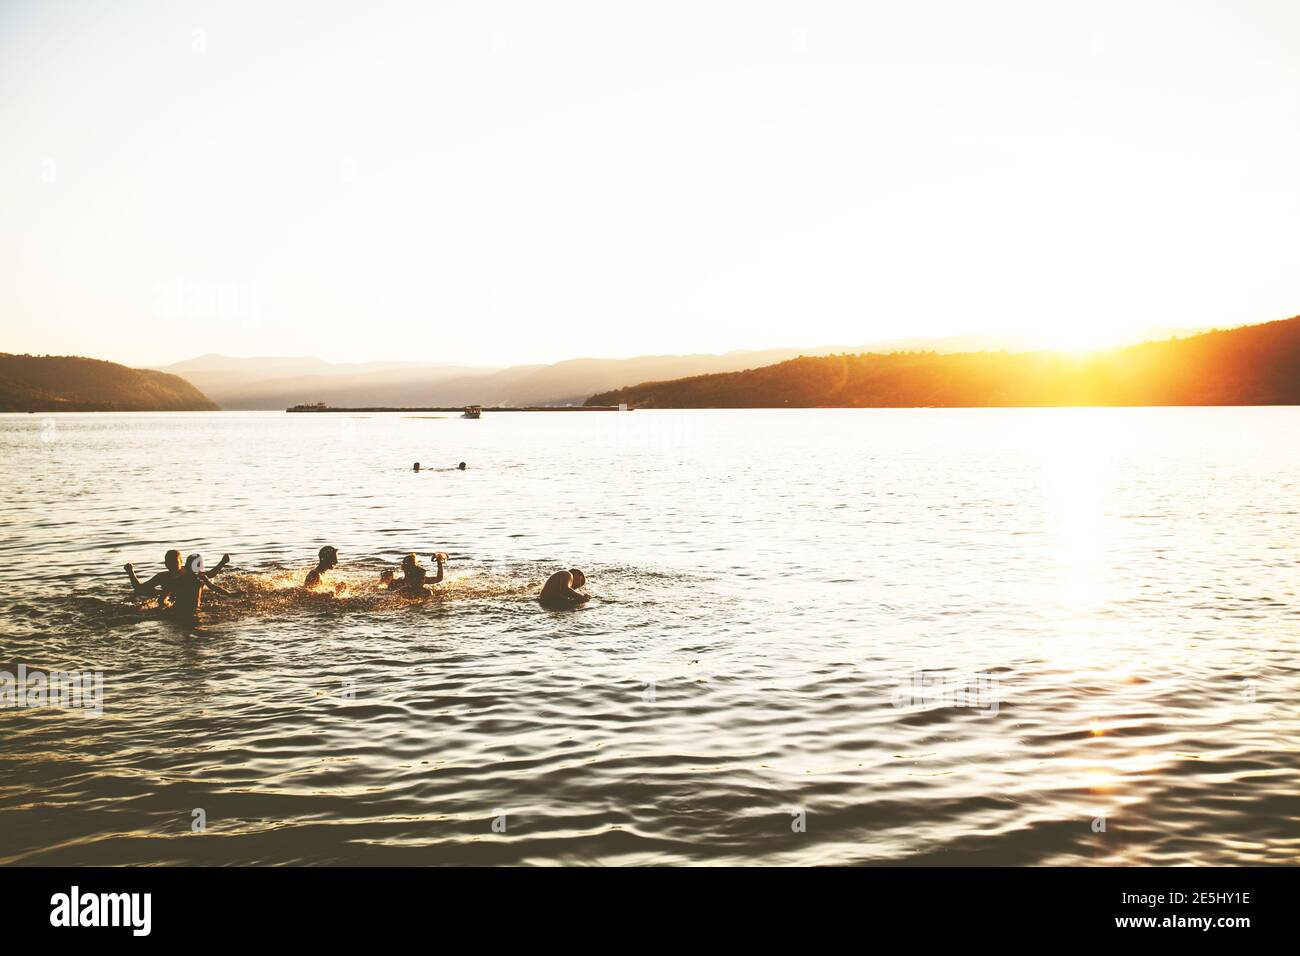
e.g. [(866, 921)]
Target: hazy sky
[(507, 181)]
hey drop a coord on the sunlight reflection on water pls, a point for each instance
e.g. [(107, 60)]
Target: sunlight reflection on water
[(765, 583)]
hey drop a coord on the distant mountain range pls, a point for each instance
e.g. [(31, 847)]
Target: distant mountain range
[(1252, 365), (64, 383), (276, 383), (272, 383), (890, 372)]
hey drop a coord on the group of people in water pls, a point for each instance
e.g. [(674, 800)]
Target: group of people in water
[(412, 582), (179, 587)]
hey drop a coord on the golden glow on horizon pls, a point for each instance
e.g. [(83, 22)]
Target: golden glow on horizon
[(517, 183), (1084, 340)]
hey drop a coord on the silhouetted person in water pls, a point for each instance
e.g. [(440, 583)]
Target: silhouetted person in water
[(414, 578), (187, 592), (415, 467), (160, 585), (561, 590), (329, 558), (461, 466)]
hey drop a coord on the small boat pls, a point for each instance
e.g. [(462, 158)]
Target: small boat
[(473, 411)]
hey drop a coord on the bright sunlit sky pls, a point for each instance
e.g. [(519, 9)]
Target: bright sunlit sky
[(507, 181)]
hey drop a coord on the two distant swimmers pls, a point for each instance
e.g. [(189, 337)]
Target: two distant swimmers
[(461, 467), (560, 592)]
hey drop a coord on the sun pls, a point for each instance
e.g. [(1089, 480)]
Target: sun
[(1081, 340)]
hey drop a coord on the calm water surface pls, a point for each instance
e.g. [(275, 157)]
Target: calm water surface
[(868, 636)]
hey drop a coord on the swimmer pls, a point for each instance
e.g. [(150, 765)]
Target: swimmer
[(188, 590), (561, 590), (160, 584), (414, 578), (415, 467), (329, 558), (461, 466)]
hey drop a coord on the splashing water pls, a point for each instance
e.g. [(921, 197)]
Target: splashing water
[(785, 607)]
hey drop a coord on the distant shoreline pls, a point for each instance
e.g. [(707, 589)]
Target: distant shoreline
[(694, 408), (880, 408), (461, 408), (1249, 365)]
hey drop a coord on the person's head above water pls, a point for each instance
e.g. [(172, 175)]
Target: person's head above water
[(415, 467), (172, 559), (461, 466), (561, 590), (329, 556), (410, 561)]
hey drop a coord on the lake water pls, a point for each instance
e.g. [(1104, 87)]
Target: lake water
[(1050, 636)]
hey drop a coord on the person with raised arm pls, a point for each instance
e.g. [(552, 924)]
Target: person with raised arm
[(414, 577), (187, 591), (160, 585)]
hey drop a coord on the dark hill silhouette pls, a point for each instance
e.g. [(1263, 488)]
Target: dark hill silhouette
[(276, 383), (66, 383), (1252, 365), (280, 381)]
